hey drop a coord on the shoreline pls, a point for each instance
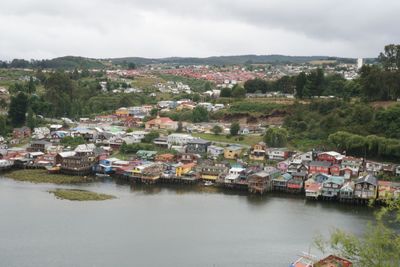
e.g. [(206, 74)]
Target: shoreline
[(216, 188)]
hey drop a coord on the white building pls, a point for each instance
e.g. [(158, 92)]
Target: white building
[(178, 139)]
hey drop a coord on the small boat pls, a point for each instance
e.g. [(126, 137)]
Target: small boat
[(53, 169), (208, 183), (102, 175), (306, 260)]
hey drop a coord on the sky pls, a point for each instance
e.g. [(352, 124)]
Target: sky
[(37, 29)]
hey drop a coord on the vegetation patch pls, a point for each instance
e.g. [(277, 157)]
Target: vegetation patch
[(42, 176), (79, 195)]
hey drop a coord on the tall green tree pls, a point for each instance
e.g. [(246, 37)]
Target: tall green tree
[(17, 109), (200, 114), (31, 86), (216, 129), (301, 81), (30, 119), (378, 246), (390, 58), (276, 137), (234, 129), (238, 91)]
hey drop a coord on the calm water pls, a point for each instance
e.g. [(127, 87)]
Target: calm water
[(154, 226)]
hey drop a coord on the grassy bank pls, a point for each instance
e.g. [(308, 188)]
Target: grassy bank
[(247, 139), (79, 195), (42, 176)]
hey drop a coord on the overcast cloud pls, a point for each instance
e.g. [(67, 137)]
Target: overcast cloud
[(161, 28)]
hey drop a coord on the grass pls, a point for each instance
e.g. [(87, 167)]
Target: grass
[(247, 139), (42, 176), (79, 195)]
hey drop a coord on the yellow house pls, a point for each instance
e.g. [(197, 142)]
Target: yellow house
[(122, 112), (212, 172), (258, 152), (182, 169), (232, 152)]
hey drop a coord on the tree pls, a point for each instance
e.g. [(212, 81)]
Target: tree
[(235, 128), (276, 137), (216, 129), (131, 66), (256, 85), (3, 125), (390, 58), (180, 127), (301, 81), (17, 109), (31, 86), (199, 114), (226, 92), (148, 138), (238, 91), (30, 120), (377, 247)]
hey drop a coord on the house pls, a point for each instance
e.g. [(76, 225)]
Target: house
[(178, 139), (333, 261), (261, 182), (283, 165), (233, 152), (122, 112), (388, 190), (40, 132), (234, 175), (296, 184), (366, 187), (280, 183), (304, 157), (197, 146), (388, 169), (161, 123), (187, 157), (373, 167), (21, 133), (330, 156), (165, 157), (161, 142), (79, 163), (313, 190), (347, 191), (278, 153), (319, 167), (39, 145), (335, 169), (331, 187), (352, 165), (182, 169), (212, 172), (258, 151), (216, 151), (296, 166), (146, 154)]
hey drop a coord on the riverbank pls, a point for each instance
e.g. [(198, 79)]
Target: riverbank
[(79, 195), (42, 176)]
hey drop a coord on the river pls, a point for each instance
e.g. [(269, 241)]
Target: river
[(162, 226)]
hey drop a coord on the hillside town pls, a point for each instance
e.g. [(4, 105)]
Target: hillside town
[(181, 157)]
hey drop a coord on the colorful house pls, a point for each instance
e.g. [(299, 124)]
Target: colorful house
[(330, 156), (366, 187), (388, 190), (161, 123), (233, 152), (333, 261), (319, 167), (258, 152), (331, 187), (347, 191), (280, 183)]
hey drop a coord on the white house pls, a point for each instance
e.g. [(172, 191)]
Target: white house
[(215, 151), (178, 139)]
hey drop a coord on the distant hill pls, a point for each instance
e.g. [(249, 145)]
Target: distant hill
[(70, 62), (228, 60)]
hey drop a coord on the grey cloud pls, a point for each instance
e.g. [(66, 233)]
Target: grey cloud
[(155, 28)]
